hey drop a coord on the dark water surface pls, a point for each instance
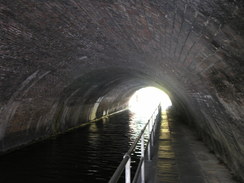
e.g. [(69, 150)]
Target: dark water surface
[(88, 154)]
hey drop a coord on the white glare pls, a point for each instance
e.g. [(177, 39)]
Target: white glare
[(145, 101)]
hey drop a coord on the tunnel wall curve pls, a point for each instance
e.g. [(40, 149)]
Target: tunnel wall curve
[(34, 113)]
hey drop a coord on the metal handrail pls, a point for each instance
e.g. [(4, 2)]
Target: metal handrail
[(125, 163)]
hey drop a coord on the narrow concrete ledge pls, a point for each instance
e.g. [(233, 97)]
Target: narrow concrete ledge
[(182, 158)]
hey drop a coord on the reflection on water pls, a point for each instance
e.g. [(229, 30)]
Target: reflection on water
[(89, 154)]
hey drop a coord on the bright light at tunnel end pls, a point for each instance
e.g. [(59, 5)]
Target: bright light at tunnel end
[(145, 100)]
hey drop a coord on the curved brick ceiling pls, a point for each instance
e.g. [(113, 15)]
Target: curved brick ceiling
[(59, 58)]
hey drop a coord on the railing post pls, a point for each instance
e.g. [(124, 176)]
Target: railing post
[(152, 136), (149, 144), (154, 128), (151, 124), (127, 171), (142, 146), (143, 172), (142, 156)]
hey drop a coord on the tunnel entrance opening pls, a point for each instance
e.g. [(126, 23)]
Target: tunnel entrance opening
[(145, 100)]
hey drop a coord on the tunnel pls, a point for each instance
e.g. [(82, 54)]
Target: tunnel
[(68, 62)]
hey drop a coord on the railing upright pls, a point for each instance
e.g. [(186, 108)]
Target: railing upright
[(127, 171), (142, 156), (148, 145)]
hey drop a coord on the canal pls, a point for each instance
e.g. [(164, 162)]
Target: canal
[(87, 154)]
